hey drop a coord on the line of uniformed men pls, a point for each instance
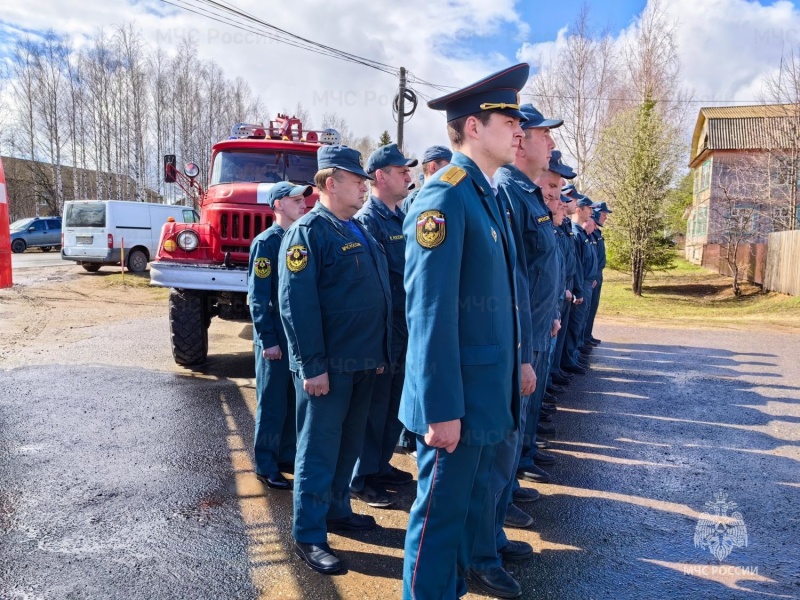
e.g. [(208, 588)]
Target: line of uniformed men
[(336, 334)]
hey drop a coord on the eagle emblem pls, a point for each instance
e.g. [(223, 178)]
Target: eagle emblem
[(431, 229), (296, 258), (718, 532), (262, 267)]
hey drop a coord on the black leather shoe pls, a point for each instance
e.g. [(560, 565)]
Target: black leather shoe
[(549, 408), (555, 389), (352, 523), (595, 340), (540, 458), (585, 350), (533, 473), (516, 550), (542, 443), (286, 467), (394, 477), (559, 380), (565, 375), (497, 582), (547, 397), (525, 495), (544, 418), (591, 343), (543, 429), (319, 557), (373, 495), (276, 481), (575, 369), (517, 518)]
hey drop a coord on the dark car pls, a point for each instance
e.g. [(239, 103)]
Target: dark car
[(36, 232)]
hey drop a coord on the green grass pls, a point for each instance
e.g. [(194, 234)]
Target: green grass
[(133, 280), (689, 294)]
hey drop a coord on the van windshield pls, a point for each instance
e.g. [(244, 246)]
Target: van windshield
[(265, 166), (85, 214)]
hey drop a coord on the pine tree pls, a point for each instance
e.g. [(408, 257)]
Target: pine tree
[(385, 139)]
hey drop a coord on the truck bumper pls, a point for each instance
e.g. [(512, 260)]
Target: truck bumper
[(198, 277)]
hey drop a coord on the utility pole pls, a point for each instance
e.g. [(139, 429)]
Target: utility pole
[(401, 108)]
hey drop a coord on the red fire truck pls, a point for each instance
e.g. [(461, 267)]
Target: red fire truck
[(205, 264)]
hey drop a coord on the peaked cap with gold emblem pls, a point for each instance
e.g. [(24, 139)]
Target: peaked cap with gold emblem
[(499, 91)]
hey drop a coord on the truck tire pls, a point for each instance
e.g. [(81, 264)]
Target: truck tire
[(18, 246), (187, 326), (91, 267), (137, 261)]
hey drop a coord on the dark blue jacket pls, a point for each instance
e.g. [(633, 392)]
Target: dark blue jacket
[(387, 229), (541, 257), (262, 288), (410, 200), (601, 249), (463, 331), (587, 258), (334, 297), (570, 259)]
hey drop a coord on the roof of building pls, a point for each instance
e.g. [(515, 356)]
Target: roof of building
[(760, 127)]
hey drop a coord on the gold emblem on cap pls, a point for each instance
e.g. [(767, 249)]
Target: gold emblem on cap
[(262, 267), (498, 106), (431, 229), (296, 258)]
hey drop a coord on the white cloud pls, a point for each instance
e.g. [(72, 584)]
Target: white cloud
[(422, 36)]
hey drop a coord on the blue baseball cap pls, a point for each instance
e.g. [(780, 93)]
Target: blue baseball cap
[(603, 207), (340, 157), (283, 189), (535, 119), (566, 199), (388, 156), (437, 153), (570, 191), (557, 166), (585, 201), (596, 217), (499, 91)]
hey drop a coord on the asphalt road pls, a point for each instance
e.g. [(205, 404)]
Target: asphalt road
[(123, 476), (35, 258)]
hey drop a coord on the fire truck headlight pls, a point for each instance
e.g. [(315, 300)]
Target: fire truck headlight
[(170, 246), (188, 240)]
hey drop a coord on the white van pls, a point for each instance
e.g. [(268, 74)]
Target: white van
[(94, 231)]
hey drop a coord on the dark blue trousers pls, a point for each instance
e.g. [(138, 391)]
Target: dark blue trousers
[(587, 333), (383, 426), (529, 448), (330, 434), (502, 482), (275, 436), (577, 324), (444, 519), (558, 354)]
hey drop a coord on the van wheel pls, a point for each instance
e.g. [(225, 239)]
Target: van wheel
[(187, 326), (137, 261), (91, 267), (46, 248), (18, 246)]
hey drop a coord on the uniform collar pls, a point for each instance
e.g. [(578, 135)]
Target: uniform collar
[(477, 176), (518, 177), (381, 208)]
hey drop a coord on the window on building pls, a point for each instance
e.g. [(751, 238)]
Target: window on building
[(705, 175), (785, 170), (743, 219)]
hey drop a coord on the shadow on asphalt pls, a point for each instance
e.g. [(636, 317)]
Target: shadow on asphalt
[(645, 443)]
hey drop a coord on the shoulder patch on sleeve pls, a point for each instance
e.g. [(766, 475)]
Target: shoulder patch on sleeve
[(262, 267), (431, 229), (453, 175), (297, 258)]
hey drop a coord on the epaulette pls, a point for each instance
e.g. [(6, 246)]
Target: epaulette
[(454, 175)]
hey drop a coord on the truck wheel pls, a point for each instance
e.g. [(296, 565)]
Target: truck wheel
[(46, 248), (18, 246), (137, 261), (187, 326), (91, 267)]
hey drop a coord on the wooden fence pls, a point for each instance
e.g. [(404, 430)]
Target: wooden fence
[(783, 263), (751, 259)]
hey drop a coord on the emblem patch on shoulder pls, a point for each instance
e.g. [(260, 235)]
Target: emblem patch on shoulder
[(262, 267), (431, 229), (454, 175), (543, 219), (296, 258)]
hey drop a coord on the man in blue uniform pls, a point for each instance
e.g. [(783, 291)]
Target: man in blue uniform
[(567, 362), (526, 214), (582, 227), (336, 307), (382, 217), (601, 212), (462, 391), (275, 437), (434, 159)]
